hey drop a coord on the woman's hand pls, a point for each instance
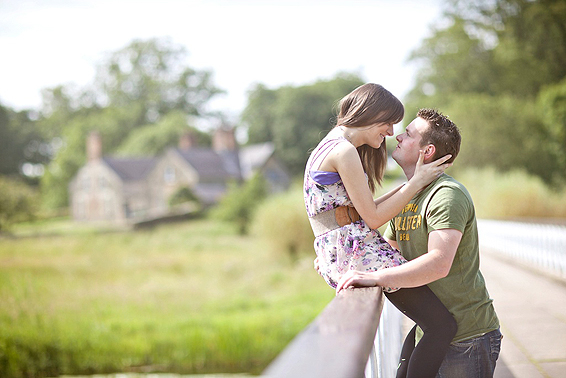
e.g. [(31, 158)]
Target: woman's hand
[(355, 278), (427, 173)]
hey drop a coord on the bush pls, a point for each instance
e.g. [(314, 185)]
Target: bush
[(513, 194), (239, 204), (282, 221), (18, 202), (183, 195)]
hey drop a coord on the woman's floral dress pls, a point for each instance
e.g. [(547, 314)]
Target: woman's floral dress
[(351, 247)]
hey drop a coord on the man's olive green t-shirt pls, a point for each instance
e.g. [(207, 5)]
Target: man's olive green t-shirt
[(446, 204)]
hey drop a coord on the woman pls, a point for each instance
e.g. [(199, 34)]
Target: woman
[(341, 175)]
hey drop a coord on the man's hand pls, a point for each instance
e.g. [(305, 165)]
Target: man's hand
[(355, 278)]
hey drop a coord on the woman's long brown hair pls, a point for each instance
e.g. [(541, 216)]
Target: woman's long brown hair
[(364, 106)]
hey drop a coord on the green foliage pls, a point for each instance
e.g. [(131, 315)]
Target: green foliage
[(153, 139), (259, 114), (512, 194), (511, 47), (241, 201), (281, 221), (188, 298), (552, 109), (110, 122), (452, 61), (153, 75), (144, 94), (531, 50), (20, 142), (295, 118), (501, 131), (18, 202), (486, 69), (183, 195)]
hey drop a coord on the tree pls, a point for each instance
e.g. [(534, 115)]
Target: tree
[(295, 118), (142, 98), (8, 154), (528, 39), (452, 61), (72, 154), (511, 47), (153, 76), (20, 143), (486, 69), (153, 139), (552, 109), (500, 131), (259, 114)]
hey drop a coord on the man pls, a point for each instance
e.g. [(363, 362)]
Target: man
[(437, 233)]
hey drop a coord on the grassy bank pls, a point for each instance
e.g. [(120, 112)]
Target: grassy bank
[(186, 298)]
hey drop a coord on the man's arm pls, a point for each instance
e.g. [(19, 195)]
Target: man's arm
[(431, 266)]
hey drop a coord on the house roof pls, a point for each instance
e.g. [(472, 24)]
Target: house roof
[(209, 164), (130, 169), (255, 156), (231, 161)]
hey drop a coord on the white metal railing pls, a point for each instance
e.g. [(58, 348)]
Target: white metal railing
[(541, 245), (384, 357)]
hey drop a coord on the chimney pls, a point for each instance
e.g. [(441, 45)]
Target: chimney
[(187, 141), (94, 146), (224, 139)]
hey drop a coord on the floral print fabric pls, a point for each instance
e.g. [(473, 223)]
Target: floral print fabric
[(351, 247)]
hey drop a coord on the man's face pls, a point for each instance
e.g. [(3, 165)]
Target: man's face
[(406, 154)]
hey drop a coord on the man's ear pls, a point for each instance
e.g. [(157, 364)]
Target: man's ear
[(429, 151)]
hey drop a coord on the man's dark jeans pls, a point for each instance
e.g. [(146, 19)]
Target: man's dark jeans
[(473, 358)]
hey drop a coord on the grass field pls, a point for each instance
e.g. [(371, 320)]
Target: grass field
[(188, 298), (191, 297)]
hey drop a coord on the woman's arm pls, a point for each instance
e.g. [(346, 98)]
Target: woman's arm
[(388, 194), (345, 160)]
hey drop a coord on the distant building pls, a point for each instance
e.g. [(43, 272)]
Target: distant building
[(130, 189)]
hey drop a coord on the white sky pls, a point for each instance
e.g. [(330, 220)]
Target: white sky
[(44, 43)]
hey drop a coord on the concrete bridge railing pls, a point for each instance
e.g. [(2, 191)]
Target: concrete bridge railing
[(338, 342)]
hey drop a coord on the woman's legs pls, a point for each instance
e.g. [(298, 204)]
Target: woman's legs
[(406, 352), (439, 327)]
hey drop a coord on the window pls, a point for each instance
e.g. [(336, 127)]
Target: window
[(169, 175)]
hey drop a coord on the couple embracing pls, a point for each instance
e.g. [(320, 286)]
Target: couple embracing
[(427, 261)]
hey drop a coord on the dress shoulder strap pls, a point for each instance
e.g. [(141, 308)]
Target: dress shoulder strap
[(324, 149)]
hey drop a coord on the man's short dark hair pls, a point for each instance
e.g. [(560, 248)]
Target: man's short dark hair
[(441, 132)]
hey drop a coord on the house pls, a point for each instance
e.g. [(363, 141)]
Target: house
[(125, 190)]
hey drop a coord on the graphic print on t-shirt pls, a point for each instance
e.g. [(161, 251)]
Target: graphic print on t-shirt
[(407, 220)]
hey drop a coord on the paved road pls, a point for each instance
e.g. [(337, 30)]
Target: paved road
[(532, 309)]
